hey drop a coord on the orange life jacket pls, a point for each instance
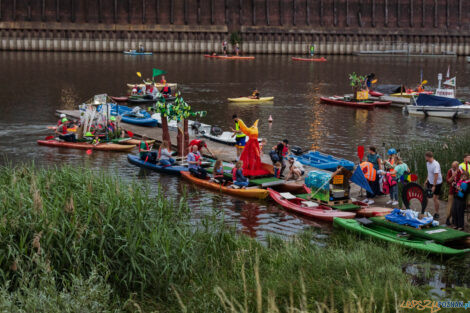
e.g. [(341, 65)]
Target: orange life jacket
[(369, 171)]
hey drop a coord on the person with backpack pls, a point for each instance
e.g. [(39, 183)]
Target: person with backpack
[(460, 201), (237, 175), (194, 159)]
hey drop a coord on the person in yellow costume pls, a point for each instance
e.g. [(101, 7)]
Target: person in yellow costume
[(251, 156)]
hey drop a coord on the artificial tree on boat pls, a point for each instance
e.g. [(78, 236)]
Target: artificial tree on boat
[(356, 81)]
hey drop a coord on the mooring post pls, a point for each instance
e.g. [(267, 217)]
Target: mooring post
[(28, 15), (266, 8)]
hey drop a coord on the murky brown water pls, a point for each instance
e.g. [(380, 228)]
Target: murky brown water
[(34, 85)]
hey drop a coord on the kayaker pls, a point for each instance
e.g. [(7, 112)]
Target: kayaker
[(61, 117), (194, 160), (434, 180), (460, 201), (312, 50), (237, 49), (164, 155), (369, 79), (237, 175), (240, 137), (255, 94), (63, 133), (96, 140), (145, 151), (218, 172), (200, 144), (296, 170), (166, 90), (452, 178)]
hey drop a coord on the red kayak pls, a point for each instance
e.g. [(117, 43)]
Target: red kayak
[(319, 212), (120, 99), (211, 56), (86, 146), (337, 100), (322, 59), (375, 93)]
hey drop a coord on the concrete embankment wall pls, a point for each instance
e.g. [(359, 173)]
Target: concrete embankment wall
[(266, 26)]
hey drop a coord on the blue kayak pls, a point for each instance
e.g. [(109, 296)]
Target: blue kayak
[(141, 118), (134, 52), (323, 161), (175, 170)]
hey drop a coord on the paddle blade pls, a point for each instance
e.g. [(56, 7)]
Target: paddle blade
[(413, 177), (139, 74), (375, 81), (89, 151), (360, 152), (49, 138), (131, 134), (424, 82)]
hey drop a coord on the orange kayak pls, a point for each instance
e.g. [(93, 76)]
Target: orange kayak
[(322, 59), (254, 193), (86, 146)]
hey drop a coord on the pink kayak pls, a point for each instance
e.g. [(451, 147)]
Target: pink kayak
[(375, 93), (322, 59), (320, 212), (120, 99)]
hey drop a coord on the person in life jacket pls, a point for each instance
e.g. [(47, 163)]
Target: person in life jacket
[(240, 137), (163, 80), (63, 133), (194, 159), (145, 152), (255, 94), (135, 90), (166, 90), (465, 165), (391, 176), (61, 117), (460, 201), (237, 175), (312, 50), (370, 173)]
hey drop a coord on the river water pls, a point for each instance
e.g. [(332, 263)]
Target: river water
[(34, 85)]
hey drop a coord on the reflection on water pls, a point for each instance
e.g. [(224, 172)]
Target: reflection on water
[(34, 85)]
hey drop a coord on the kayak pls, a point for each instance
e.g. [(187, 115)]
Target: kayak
[(440, 234), (136, 142), (323, 161), (306, 208), (140, 100), (141, 121), (175, 170), (337, 100), (234, 57), (133, 52), (72, 130), (322, 59), (410, 95), (86, 146), (248, 99), (158, 85), (211, 56), (373, 211), (120, 99), (254, 193), (383, 233), (128, 115)]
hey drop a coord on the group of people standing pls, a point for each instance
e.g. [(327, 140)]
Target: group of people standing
[(458, 179)]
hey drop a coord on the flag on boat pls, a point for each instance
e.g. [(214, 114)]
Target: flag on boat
[(451, 82), (157, 72), (359, 179)]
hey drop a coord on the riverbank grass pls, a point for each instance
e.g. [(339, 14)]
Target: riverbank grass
[(74, 240)]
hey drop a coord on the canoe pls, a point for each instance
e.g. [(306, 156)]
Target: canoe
[(174, 170), (120, 99), (128, 116), (337, 100), (158, 85), (133, 52), (72, 130), (410, 95), (383, 233), (211, 56), (322, 59), (85, 146), (136, 100), (323, 161), (235, 57), (439, 234), (254, 193), (136, 142), (373, 211), (248, 99), (319, 212)]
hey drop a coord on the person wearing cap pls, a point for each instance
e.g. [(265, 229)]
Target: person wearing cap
[(200, 144), (296, 170), (61, 117), (63, 133)]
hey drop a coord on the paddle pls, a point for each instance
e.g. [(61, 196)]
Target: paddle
[(374, 81), (49, 137), (131, 134), (360, 153), (139, 74)]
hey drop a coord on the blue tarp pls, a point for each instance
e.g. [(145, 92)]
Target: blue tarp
[(410, 218), (436, 101), (359, 179)]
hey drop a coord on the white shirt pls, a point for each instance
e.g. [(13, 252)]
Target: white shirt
[(434, 168), (298, 165)]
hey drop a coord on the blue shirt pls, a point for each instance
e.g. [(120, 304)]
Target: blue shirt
[(463, 190), (373, 158), (192, 158)]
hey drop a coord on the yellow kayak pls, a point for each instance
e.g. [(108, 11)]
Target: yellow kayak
[(409, 95), (248, 99)]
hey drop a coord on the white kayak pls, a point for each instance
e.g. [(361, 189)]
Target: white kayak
[(248, 99)]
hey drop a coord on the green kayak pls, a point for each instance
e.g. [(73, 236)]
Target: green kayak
[(380, 232)]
